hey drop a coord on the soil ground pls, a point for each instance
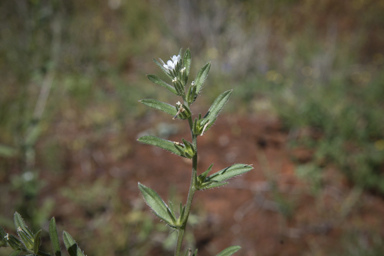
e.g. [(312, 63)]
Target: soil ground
[(268, 211)]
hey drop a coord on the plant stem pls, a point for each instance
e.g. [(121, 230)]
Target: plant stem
[(191, 193)]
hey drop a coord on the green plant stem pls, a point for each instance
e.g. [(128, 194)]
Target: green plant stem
[(191, 193)]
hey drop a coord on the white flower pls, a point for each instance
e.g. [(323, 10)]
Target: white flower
[(171, 64)]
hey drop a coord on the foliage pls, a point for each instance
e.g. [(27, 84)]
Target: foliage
[(177, 69), (321, 77), (29, 242), (345, 127)]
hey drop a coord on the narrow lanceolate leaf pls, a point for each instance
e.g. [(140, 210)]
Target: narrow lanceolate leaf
[(215, 108), (165, 107), (158, 81), (204, 174), (36, 242), (23, 231), (219, 178), (54, 237), (187, 61), (25, 239), (71, 245), (20, 224), (161, 143), (201, 76), (157, 205), (229, 251)]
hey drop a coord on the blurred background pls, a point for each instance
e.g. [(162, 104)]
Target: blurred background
[(306, 111)]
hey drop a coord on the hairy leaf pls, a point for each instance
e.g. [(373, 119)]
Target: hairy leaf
[(215, 109), (161, 143), (187, 61), (165, 107), (219, 178), (157, 205), (20, 224), (25, 239), (201, 76), (54, 237), (160, 82), (71, 245), (36, 242)]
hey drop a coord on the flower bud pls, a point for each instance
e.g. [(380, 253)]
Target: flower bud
[(182, 111)]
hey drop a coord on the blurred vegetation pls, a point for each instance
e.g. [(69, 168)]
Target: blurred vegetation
[(72, 72)]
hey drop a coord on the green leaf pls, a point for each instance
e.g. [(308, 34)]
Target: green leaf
[(204, 174), (157, 205), (218, 179), (165, 107), (201, 76), (160, 82), (163, 69), (229, 251), (215, 109), (6, 151), (20, 225), (161, 143), (27, 241), (187, 61), (71, 245), (36, 242), (54, 237)]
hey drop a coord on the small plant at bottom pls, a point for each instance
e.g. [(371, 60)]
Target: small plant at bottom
[(177, 70), (29, 243)]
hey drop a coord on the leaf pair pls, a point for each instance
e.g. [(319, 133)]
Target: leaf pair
[(220, 178), (200, 125)]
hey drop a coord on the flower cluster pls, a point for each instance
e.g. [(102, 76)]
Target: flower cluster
[(171, 64)]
